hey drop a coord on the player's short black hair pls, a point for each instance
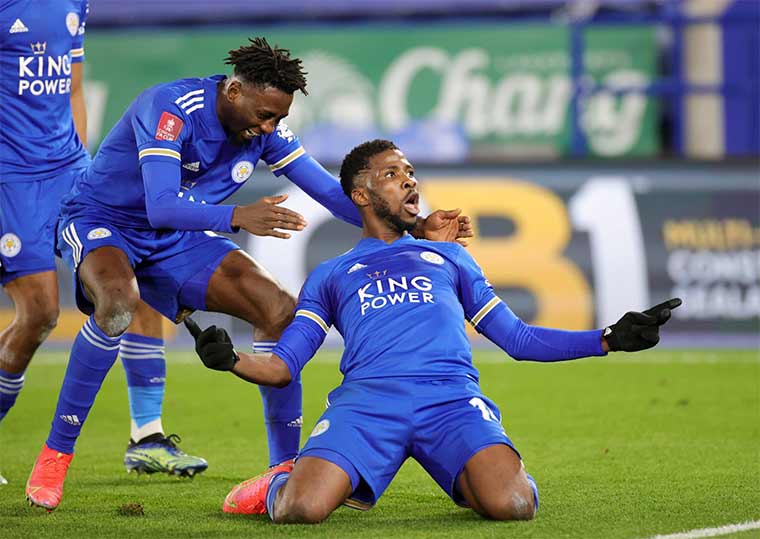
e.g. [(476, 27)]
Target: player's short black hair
[(358, 160), (260, 64)]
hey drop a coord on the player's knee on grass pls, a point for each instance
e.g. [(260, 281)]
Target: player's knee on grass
[(300, 509), (514, 502)]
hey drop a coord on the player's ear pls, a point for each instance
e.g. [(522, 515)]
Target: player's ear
[(234, 90), (359, 196)]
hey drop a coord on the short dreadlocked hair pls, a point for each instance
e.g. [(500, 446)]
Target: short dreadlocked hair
[(358, 160), (260, 64)]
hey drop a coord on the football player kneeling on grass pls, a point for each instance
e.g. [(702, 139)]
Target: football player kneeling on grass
[(410, 388)]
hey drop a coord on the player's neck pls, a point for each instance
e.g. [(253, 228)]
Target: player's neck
[(380, 230), (220, 108)]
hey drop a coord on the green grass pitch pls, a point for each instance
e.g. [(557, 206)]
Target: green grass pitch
[(626, 447)]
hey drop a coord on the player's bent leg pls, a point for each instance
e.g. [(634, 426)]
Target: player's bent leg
[(242, 288), (494, 483), (35, 297), (110, 283)]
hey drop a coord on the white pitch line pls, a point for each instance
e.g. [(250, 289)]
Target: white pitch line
[(712, 532)]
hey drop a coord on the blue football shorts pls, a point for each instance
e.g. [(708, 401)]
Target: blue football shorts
[(28, 217), (172, 267), (372, 426)]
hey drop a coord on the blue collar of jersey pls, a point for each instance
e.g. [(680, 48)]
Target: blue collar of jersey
[(374, 243)]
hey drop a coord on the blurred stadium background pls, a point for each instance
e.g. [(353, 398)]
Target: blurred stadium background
[(607, 149)]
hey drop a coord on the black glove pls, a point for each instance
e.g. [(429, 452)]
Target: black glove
[(213, 345), (639, 331)]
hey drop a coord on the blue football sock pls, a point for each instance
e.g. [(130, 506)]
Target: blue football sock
[(92, 356), (143, 360), (10, 387), (283, 414), (277, 481)]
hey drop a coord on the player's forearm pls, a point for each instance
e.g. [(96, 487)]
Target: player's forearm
[(533, 343), (262, 369), (166, 210), (171, 212), (323, 187)]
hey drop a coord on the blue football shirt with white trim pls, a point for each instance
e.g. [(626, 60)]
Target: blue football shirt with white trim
[(175, 123), (39, 42), (400, 307)]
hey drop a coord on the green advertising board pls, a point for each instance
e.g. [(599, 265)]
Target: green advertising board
[(446, 93)]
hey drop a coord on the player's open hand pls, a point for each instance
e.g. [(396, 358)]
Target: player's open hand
[(213, 345), (266, 217), (639, 331), (447, 225)]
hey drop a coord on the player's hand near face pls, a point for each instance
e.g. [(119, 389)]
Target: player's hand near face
[(447, 225), (266, 217), (638, 331)]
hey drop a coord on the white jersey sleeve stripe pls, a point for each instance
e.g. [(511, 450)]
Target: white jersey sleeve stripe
[(188, 95), (315, 317), (191, 101), (164, 152), (196, 107), (77, 53), (484, 311), (285, 161)]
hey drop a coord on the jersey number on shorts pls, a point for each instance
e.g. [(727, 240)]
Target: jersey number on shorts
[(485, 411)]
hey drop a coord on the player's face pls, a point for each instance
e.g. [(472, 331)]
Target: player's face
[(392, 189), (255, 110)]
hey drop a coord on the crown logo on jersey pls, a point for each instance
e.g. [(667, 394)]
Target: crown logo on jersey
[(377, 274), (39, 48)]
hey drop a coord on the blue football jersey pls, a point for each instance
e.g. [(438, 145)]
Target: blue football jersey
[(39, 41), (175, 122), (400, 307)]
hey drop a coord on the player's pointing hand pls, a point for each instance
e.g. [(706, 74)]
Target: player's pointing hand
[(266, 217), (639, 331), (663, 310)]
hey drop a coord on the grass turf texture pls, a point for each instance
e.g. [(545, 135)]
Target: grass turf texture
[(625, 447)]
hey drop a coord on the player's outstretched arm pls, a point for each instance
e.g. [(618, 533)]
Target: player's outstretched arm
[(214, 346), (634, 332)]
